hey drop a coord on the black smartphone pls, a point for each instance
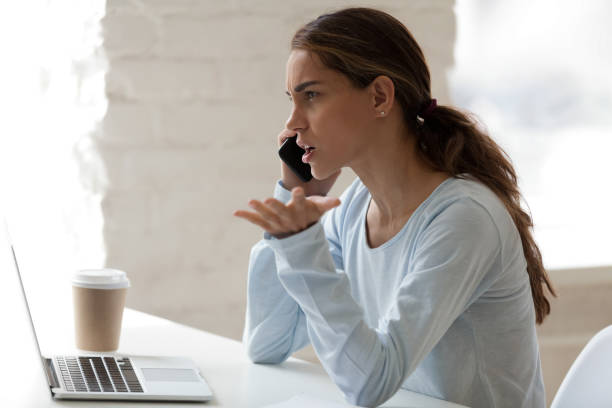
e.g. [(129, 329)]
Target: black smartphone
[(291, 154)]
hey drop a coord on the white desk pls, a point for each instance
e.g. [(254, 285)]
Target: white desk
[(235, 381)]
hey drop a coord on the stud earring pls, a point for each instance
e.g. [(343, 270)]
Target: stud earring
[(382, 113)]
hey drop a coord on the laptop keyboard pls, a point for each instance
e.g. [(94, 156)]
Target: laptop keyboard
[(98, 374)]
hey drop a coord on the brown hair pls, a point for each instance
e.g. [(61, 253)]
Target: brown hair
[(363, 44)]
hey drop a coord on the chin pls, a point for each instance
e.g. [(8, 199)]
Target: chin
[(319, 174), (316, 175)]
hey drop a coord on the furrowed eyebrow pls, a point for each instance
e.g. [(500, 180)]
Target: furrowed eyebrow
[(303, 86)]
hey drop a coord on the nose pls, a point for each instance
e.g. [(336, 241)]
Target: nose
[(296, 121)]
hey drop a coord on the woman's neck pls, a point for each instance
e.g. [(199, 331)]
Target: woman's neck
[(396, 177)]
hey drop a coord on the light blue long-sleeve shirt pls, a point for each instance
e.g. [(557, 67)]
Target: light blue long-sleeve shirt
[(443, 308)]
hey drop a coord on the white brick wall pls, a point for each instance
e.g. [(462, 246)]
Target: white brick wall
[(195, 100)]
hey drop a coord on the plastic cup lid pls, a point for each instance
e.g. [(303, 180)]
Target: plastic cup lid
[(100, 279)]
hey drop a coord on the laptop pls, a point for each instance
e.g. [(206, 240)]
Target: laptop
[(107, 376)]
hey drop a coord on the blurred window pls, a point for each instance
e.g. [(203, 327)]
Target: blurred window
[(538, 74)]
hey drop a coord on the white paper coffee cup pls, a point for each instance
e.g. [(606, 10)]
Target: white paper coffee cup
[(99, 299)]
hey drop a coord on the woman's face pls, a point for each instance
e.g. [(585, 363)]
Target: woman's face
[(329, 113)]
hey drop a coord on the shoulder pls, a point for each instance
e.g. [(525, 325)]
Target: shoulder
[(467, 197), (472, 210), (456, 230)]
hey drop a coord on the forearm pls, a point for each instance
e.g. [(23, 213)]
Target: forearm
[(275, 325), (367, 366)]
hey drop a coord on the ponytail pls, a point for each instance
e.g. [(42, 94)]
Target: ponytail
[(450, 141)]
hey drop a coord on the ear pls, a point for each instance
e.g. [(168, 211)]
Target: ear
[(382, 92)]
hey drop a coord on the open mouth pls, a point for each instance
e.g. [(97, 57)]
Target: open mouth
[(307, 157)]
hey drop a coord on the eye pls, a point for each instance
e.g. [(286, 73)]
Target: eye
[(310, 95)]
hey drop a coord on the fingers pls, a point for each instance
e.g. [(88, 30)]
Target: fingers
[(279, 208), (254, 218), (297, 206), (284, 135), (324, 204), (280, 219), (266, 213), (272, 216)]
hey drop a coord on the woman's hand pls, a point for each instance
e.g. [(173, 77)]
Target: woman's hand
[(282, 220), (290, 180)]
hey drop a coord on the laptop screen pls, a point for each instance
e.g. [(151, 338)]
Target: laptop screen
[(17, 317)]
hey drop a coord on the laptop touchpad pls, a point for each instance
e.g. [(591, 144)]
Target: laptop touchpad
[(170, 374)]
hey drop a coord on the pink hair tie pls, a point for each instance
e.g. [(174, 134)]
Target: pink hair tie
[(427, 111)]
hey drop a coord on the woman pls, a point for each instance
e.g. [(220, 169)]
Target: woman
[(425, 274)]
